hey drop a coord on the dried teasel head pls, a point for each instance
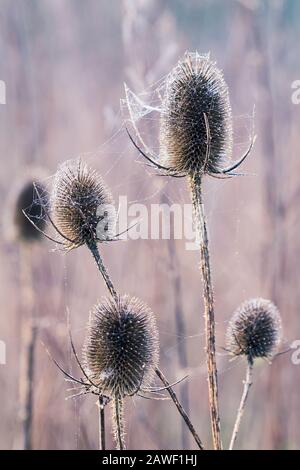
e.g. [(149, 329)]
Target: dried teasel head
[(254, 330), (196, 109), (81, 206), (195, 123), (29, 195), (120, 352)]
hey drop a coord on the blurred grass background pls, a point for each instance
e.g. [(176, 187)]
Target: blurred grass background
[(64, 64)]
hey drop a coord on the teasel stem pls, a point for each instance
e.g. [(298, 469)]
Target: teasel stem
[(180, 408), (201, 228), (28, 343), (247, 385), (102, 445), (97, 257), (118, 422), (118, 417)]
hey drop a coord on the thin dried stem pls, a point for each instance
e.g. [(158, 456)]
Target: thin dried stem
[(118, 423), (28, 343), (247, 385), (118, 417), (180, 408), (200, 225), (97, 257), (102, 445), (28, 418)]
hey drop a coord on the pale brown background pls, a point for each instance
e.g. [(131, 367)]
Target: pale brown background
[(64, 63)]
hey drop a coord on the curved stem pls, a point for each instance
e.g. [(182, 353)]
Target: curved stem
[(101, 424), (118, 422), (247, 385), (180, 408), (97, 257), (118, 418), (200, 225)]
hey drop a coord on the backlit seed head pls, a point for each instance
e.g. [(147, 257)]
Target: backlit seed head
[(254, 330), (29, 195), (195, 87), (82, 207), (121, 348)]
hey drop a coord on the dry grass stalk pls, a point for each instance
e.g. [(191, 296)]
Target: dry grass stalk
[(180, 409), (200, 221)]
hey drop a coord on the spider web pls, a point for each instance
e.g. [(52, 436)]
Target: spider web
[(142, 113)]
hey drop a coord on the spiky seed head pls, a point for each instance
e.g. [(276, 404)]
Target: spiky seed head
[(28, 194), (82, 207), (120, 352), (254, 330), (195, 87)]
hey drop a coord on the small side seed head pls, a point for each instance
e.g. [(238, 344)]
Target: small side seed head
[(82, 207), (121, 348), (28, 194), (194, 88), (254, 330)]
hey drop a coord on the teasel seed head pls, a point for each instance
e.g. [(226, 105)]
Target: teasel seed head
[(120, 352), (29, 195), (254, 330), (195, 88), (82, 207)]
